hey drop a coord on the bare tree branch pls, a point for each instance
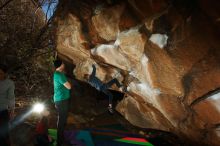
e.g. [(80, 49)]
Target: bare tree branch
[(5, 4)]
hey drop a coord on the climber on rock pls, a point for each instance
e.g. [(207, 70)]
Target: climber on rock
[(103, 87)]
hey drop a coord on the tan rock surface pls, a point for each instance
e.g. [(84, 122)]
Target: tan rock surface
[(106, 21), (168, 87)]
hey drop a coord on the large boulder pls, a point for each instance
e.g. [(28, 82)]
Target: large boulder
[(164, 52)]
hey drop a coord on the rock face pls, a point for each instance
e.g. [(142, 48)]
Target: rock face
[(165, 52)]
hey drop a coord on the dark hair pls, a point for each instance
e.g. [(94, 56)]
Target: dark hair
[(3, 68), (57, 63)]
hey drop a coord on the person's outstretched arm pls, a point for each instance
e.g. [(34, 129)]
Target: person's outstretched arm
[(93, 71)]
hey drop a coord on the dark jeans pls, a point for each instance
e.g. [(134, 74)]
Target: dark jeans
[(62, 109), (4, 128), (42, 140), (105, 87)]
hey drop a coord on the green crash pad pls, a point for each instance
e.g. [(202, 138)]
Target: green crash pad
[(53, 134)]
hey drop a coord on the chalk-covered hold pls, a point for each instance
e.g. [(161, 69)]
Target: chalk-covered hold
[(110, 54), (215, 96), (159, 39)]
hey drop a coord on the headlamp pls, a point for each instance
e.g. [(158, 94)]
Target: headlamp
[(38, 108)]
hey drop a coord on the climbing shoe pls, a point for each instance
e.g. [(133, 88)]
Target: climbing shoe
[(110, 110), (123, 89)]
